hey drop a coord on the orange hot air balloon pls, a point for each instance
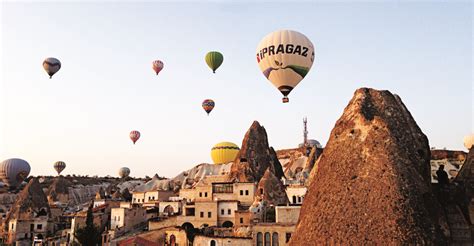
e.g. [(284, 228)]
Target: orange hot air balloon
[(157, 66), (134, 136)]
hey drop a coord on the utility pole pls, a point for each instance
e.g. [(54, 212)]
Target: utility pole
[(305, 132)]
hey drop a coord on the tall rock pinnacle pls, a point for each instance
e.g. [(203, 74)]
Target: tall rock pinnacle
[(372, 182), (255, 157)]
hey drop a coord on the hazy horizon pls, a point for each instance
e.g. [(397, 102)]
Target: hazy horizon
[(106, 87)]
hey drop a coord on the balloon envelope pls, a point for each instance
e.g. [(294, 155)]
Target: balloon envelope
[(224, 152), (134, 136), (51, 65), (214, 60), (14, 171), (124, 172), (469, 141), (208, 105), (285, 57), (157, 66), (59, 166)]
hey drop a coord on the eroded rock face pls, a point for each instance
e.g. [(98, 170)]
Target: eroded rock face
[(272, 190), (31, 202), (372, 182), (255, 157)]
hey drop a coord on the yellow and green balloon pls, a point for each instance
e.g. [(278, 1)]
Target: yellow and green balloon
[(214, 60), (285, 57)]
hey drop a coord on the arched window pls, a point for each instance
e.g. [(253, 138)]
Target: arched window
[(267, 239), (275, 239), (259, 239), (213, 243), (294, 199), (173, 240)]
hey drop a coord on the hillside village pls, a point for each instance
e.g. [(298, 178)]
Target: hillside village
[(254, 200)]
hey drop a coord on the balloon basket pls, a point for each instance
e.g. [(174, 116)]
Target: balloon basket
[(285, 99)]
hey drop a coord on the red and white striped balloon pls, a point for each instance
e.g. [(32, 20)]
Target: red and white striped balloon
[(134, 136), (157, 66)]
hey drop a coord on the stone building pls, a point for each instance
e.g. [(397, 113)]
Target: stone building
[(127, 217)]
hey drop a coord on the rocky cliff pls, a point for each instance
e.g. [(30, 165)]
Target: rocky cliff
[(31, 202), (271, 189), (255, 157), (372, 182)]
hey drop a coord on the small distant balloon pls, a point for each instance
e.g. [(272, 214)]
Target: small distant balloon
[(51, 65), (208, 105), (14, 171), (134, 136), (214, 60), (124, 172), (157, 66), (59, 166)]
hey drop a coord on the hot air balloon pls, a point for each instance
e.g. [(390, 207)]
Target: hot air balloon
[(59, 166), (214, 60), (285, 57), (469, 141), (124, 172), (157, 66), (51, 65), (208, 105), (134, 136), (14, 171), (224, 152)]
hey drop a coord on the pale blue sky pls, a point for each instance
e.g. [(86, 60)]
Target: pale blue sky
[(106, 87)]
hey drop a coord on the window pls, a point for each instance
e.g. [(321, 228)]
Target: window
[(267, 239), (222, 211), (275, 239), (32, 227), (223, 188), (241, 192), (39, 226), (213, 243), (229, 211), (118, 218), (294, 199), (259, 239), (246, 192), (200, 194), (241, 220), (205, 194), (261, 190), (288, 236), (209, 214), (201, 214), (299, 199), (134, 199)]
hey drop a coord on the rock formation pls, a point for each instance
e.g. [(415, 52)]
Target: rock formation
[(31, 203), (372, 182), (59, 190), (439, 154), (255, 157), (271, 189)]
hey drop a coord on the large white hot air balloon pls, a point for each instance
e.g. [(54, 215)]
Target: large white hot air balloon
[(124, 172), (285, 57), (14, 171), (469, 141)]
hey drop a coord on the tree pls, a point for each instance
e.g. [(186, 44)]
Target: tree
[(88, 235)]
